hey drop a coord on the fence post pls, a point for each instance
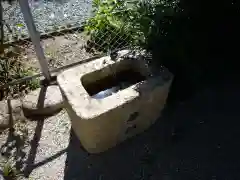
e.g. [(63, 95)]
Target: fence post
[(35, 37)]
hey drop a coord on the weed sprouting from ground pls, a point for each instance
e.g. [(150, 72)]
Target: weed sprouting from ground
[(11, 69), (12, 152), (9, 172)]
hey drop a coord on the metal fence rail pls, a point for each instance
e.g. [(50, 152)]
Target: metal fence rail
[(49, 36), (53, 72)]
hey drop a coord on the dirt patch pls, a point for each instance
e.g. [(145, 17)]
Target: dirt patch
[(59, 51)]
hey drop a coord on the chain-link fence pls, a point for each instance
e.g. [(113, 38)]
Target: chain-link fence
[(61, 25), (70, 32)]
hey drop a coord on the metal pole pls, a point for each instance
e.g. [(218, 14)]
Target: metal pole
[(1, 27), (35, 37)]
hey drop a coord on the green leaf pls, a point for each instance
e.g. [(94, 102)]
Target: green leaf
[(20, 25)]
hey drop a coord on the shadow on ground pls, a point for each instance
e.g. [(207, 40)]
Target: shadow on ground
[(13, 147), (203, 144)]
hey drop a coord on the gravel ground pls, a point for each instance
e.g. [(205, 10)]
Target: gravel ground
[(48, 15), (204, 145), (44, 150), (48, 164)]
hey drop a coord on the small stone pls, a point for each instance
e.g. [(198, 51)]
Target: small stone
[(4, 116), (16, 111), (51, 100), (52, 15)]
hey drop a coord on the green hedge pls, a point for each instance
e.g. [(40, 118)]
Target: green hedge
[(195, 39), (123, 23)]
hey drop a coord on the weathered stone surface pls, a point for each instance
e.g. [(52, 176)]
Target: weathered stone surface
[(4, 116), (1, 175), (102, 123), (44, 101), (5, 113)]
